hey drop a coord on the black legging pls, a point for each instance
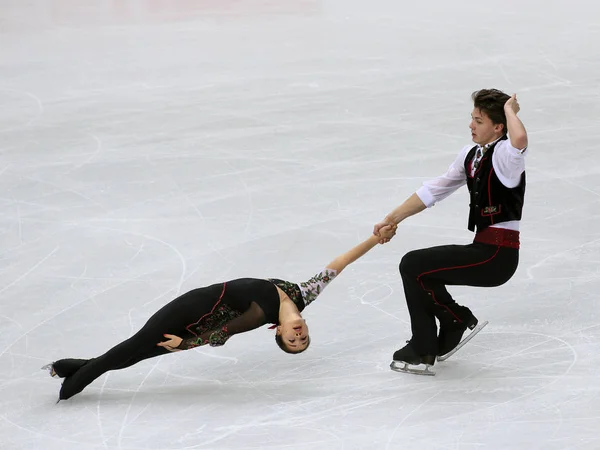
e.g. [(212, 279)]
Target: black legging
[(170, 319), (426, 273)]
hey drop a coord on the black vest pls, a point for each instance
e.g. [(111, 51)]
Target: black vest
[(491, 201)]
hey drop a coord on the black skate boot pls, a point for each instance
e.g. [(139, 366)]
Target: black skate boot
[(408, 356), (74, 384), (64, 367), (450, 338)]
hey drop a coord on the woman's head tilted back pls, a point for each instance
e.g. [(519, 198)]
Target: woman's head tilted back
[(292, 333), (292, 336)]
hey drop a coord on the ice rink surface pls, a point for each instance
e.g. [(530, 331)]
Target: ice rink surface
[(151, 147)]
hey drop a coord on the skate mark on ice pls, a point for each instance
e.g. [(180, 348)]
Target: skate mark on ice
[(151, 238), (554, 255), (39, 104), (39, 263), (90, 158), (90, 297), (415, 409), (361, 299), (522, 351), (132, 398)]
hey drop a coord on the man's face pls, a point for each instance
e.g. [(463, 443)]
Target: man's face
[(483, 130)]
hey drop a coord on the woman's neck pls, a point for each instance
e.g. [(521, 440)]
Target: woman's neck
[(288, 310)]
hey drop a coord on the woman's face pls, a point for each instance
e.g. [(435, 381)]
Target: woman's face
[(294, 334)]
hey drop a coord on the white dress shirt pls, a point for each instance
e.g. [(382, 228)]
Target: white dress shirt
[(508, 163)]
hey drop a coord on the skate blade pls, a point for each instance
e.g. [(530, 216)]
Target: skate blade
[(401, 366), (50, 369), (466, 339)]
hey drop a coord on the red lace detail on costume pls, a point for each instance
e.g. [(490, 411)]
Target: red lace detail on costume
[(209, 313)]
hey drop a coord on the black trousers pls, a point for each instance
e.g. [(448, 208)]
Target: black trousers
[(426, 273), (170, 319)]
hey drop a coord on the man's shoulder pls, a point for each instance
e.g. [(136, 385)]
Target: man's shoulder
[(466, 149), (505, 146)]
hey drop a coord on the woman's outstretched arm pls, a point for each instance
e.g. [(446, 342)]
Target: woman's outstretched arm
[(340, 263)]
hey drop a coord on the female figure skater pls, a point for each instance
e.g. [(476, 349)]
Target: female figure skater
[(211, 315)]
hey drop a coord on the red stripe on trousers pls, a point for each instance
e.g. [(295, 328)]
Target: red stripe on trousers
[(451, 268)]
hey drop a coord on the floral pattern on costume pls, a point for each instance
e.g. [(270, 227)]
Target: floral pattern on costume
[(314, 286), (211, 329), (291, 290)]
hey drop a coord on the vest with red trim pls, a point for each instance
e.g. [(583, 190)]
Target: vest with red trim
[(491, 201)]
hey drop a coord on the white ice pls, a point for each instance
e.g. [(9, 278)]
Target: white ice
[(150, 147)]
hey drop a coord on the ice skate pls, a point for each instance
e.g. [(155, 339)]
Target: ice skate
[(50, 369), (409, 361), (451, 338), (64, 367)]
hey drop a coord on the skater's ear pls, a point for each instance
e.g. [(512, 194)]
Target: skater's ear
[(278, 330)]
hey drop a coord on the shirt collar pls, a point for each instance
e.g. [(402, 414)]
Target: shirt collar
[(486, 147)]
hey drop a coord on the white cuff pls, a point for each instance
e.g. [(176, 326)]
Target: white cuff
[(426, 196)]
